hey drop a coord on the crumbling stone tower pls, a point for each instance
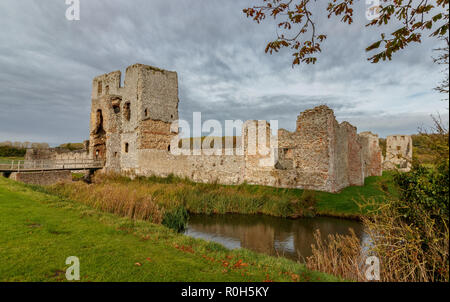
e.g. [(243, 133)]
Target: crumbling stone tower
[(260, 153), (321, 154), (134, 117), (372, 155), (399, 150)]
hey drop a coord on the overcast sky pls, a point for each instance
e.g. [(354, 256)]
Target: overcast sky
[(47, 64)]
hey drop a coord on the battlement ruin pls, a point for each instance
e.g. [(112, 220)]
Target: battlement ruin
[(132, 129), (399, 150)]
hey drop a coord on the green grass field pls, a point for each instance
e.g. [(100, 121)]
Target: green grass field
[(345, 203), (7, 160), (38, 231)]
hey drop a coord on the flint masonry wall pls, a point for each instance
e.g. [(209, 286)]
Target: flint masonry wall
[(223, 169), (138, 116), (320, 155), (259, 155), (132, 128), (398, 153), (354, 156), (371, 154), (42, 178), (57, 154), (325, 155)]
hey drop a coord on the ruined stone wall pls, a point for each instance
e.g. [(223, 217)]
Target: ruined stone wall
[(371, 154), (130, 118), (105, 137), (111, 114), (131, 130), (313, 156), (286, 145), (398, 153), (225, 169), (348, 157), (136, 116), (154, 134), (159, 94), (56, 154), (339, 148), (260, 156), (42, 178), (106, 84), (303, 155), (320, 155)]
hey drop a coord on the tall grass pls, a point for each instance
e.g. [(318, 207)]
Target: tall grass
[(406, 252), (113, 199), (409, 233), (201, 198), (338, 255), (167, 200)]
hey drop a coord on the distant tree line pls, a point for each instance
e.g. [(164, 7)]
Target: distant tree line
[(18, 149), (24, 145), (72, 146), (6, 151)]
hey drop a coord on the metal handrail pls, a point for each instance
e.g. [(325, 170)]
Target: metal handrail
[(41, 165)]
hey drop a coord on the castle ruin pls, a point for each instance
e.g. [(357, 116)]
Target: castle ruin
[(132, 127)]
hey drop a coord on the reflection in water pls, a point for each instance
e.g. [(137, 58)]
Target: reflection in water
[(265, 234)]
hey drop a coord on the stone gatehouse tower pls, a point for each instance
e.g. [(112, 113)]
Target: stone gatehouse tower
[(132, 127), (136, 116), (399, 150)]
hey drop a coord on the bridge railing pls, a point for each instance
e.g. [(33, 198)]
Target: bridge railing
[(43, 165)]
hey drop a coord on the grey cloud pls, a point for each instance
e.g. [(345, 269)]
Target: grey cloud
[(386, 124), (47, 65)]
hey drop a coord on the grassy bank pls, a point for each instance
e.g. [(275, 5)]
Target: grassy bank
[(165, 200), (38, 231), (345, 203)]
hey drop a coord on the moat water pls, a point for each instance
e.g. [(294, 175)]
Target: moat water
[(290, 238)]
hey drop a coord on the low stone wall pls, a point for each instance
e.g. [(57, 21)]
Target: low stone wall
[(201, 168), (42, 178), (56, 154), (321, 154)]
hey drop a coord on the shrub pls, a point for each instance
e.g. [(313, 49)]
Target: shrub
[(308, 199), (428, 187), (339, 255), (176, 218), (407, 253), (409, 234), (305, 206), (7, 151), (72, 146)]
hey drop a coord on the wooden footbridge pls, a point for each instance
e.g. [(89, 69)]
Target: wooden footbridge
[(50, 165)]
